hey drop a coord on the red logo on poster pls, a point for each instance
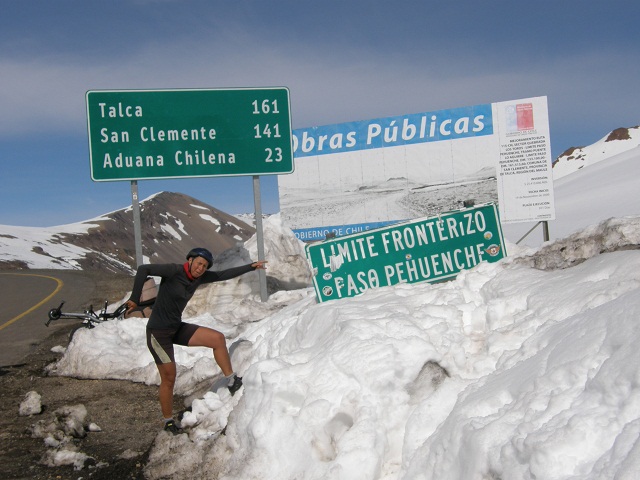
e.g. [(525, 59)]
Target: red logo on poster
[(524, 114)]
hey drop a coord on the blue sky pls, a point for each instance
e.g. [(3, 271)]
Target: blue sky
[(341, 60)]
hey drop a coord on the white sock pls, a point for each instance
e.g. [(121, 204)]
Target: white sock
[(231, 378)]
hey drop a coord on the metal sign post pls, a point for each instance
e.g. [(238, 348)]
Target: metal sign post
[(262, 275), (137, 227)]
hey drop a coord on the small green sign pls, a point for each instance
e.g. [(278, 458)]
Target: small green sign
[(423, 250), (153, 134)]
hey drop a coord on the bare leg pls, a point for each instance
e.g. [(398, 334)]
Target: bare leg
[(167, 381), (207, 337)]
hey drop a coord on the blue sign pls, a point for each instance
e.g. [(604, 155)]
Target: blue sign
[(451, 124)]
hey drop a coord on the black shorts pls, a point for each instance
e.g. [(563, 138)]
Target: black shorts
[(160, 340)]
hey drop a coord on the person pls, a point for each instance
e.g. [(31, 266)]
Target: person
[(166, 328)]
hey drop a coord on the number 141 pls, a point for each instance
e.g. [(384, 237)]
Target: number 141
[(267, 130)]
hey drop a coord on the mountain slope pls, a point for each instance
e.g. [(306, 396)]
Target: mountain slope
[(171, 224), (575, 158)]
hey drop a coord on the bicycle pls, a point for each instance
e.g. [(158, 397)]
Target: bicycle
[(90, 318)]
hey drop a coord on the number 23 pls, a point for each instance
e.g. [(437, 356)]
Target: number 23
[(273, 155)]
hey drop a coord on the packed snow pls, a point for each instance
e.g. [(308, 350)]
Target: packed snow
[(527, 368), (509, 371)]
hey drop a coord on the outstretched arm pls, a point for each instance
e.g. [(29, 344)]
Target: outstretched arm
[(230, 273)]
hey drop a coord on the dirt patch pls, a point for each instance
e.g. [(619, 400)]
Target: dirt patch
[(128, 414)]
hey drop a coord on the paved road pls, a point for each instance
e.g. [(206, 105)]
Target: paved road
[(25, 299)]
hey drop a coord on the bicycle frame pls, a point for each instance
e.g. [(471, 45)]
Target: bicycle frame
[(89, 317)]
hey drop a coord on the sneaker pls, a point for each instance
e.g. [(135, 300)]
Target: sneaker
[(235, 386), (171, 427)]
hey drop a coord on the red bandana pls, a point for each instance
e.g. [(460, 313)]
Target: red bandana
[(186, 270)]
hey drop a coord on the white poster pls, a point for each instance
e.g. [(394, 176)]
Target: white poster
[(355, 176), (525, 179)]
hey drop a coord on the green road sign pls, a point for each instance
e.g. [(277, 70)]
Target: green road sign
[(153, 134), (423, 250)]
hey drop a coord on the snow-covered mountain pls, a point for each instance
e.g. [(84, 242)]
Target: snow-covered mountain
[(171, 224), (575, 158)]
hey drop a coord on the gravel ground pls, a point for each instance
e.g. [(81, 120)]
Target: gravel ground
[(128, 414)]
